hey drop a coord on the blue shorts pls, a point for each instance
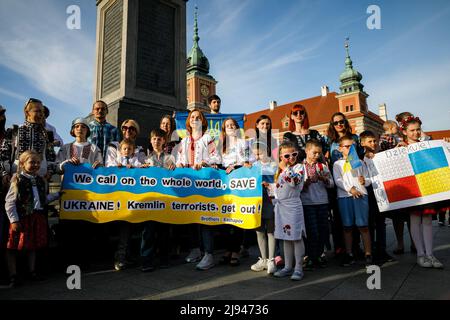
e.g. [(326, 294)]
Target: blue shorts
[(354, 211)]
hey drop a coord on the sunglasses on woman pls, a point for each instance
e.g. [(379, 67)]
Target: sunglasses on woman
[(340, 122), (125, 128), (299, 112), (288, 155)]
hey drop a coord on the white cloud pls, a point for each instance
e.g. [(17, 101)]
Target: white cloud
[(37, 45)]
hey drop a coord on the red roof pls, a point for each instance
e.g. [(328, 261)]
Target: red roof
[(437, 135), (320, 109)]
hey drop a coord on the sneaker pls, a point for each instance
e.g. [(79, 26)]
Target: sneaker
[(424, 262), (441, 223), (260, 265), (206, 263), (271, 267), (14, 281), (194, 256), (279, 261), (435, 263), (297, 275), (120, 265), (348, 260), (384, 256), (283, 273), (369, 260), (147, 267), (308, 265), (322, 262)]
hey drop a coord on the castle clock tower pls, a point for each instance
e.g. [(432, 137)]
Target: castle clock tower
[(200, 85)]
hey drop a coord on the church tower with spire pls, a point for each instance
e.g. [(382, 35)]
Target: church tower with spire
[(352, 98), (200, 85)]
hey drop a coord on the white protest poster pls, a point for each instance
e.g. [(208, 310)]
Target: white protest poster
[(410, 176)]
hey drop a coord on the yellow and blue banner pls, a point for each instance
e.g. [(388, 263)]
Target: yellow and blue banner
[(214, 123), (207, 196)]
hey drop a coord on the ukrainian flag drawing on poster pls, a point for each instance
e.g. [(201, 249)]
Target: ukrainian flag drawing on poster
[(182, 196), (413, 175)]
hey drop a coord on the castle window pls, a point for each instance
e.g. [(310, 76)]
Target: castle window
[(351, 107), (346, 108)]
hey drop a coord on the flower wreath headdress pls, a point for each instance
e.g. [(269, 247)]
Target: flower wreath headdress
[(404, 123)]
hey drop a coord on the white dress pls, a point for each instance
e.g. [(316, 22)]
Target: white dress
[(289, 220)]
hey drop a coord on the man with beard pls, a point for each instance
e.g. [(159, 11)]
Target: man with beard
[(214, 104)]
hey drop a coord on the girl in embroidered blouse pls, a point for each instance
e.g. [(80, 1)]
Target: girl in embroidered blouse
[(289, 220), (197, 149), (33, 136), (25, 208), (79, 151)]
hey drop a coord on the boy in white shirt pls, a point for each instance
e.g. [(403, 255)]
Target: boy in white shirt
[(353, 201)]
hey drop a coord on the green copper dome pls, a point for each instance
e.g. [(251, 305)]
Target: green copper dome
[(196, 60), (350, 78)]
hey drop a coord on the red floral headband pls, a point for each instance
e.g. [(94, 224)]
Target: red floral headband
[(404, 123)]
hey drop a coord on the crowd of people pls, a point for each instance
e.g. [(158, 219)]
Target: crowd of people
[(309, 194)]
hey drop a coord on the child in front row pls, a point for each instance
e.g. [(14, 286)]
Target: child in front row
[(421, 216), (264, 234), (126, 156), (25, 206), (315, 204), (289, 220), (352, 200), (377, 219), (156, 234)]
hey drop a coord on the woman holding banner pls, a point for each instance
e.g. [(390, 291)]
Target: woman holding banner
[(233, 149), (198, 150)]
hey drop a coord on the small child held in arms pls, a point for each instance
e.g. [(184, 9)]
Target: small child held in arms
[(264, 234), (315, 203), (352, 200), (390, 138), (25, 207), (155, 235), (126, 156), (289, 220), (377, 223)]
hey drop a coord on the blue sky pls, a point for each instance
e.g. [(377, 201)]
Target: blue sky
[(258, 51)]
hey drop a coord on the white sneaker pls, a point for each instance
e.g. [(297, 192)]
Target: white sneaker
[(194, 256), (297, 275), (206, 263), (260, 265), (271, 267), (424, 262), (435, 263), (283, 273)]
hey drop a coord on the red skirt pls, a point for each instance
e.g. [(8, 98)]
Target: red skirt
[(32, 235)]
